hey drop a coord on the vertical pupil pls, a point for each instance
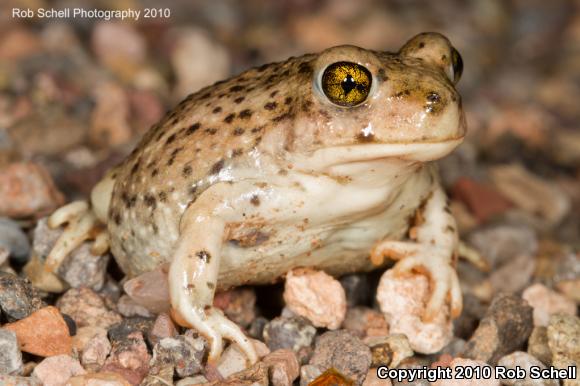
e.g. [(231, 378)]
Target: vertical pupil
[(348, 84)]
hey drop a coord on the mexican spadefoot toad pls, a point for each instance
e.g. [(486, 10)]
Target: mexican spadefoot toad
[(318, 161)]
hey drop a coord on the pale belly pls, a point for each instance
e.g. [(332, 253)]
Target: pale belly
[(337, 240), (335, 248)]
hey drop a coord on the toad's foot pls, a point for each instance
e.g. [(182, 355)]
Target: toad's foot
[(81, 225), (433, 261), (215, 326)]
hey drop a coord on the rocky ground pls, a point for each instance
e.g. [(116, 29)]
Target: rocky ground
[(76, 95)]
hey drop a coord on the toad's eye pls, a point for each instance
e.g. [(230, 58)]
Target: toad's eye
[(346, 84), (457, 64)]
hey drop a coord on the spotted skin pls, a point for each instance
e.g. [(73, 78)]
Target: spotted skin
[(262, 173)]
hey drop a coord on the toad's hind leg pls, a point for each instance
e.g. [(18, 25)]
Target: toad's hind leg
[(83, 222), (194, 272)]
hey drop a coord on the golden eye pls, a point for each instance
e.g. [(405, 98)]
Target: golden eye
[(346, 84)]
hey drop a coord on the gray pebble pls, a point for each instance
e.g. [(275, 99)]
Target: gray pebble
[(10, 355), (291, 333), (18, 298), (344, 352), (14, 239)]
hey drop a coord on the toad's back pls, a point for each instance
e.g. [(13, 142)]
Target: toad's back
[(194, 146)]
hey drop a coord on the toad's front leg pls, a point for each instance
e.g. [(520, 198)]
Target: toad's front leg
[(194, 272), (432, 253)]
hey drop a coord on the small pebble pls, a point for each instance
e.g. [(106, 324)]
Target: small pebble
[(11, 380), (84, 334), (308, 373), (128, 308), (316, 296), (283, 367), (233, 360), (357, 289), (43, 333), (120, 331), (546, 303), (83, 269), (213, 63), (95, 352), (27, 189), (256, 375), (129, 358), (564, 342), (163, 327), (514, 275), (14, 239), (524, 361), (402, 299), (372, 379), (18, 298), (505, 327), (87, 308), (238, 305), (10, 355), (183, 353), (390, 351), (150, 289), (501, 243), (292, 333), (110, 117), (57, 370), (344, 352), (482, 200), (192, 381), (365, 322), (98, 379), (538, 345), (530, 192)]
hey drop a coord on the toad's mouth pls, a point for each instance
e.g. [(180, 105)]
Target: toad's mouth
[(413, 152)]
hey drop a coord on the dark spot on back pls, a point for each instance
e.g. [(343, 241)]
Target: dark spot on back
[(239, 99), (217, 110), (150, 201), (245, 114), (229, 118), (135, 168), (215, 169), (192, 129), (237, 152), (270, 106), (288, 100), (238, 131), (236, 88), (282, 117), (117, 218), (273, 93), (154, 172), (262, 67), (304, 68), (421, 44), (170, 139), (211, 131), (187, 170), (162, 196)]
